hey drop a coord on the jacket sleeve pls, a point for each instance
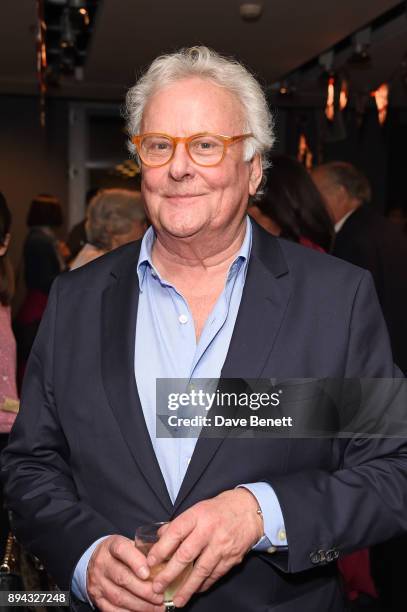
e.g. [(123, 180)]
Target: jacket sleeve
[(363, 500), (48, 517)]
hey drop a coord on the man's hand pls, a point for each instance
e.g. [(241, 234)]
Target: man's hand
[(117, 578), (215, 534)]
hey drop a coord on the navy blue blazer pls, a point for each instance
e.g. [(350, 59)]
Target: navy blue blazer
[(80, 463)]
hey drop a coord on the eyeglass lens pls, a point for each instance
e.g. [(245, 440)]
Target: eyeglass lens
[(205, 150)]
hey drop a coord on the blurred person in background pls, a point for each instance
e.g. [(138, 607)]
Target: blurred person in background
[(77, 236), (367, 239), (8, 389), (292, 207), (44, 258), (114, 217)]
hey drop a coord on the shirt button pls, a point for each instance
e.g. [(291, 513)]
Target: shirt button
[(183, 318), (282, 536)]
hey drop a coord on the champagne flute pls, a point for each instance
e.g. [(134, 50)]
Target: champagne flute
[(146, 537)]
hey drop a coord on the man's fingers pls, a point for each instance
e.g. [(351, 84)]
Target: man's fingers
[(173, 535), (105, 606), (112, 578), (125, 551), (121, 599), (201, 572), (184, 556), (122, 576), (220, 570)]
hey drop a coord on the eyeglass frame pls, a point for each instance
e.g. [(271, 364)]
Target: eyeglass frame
[(226, 140)]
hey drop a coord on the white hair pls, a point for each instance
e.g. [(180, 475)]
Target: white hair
[(206, 64), (113, 212)]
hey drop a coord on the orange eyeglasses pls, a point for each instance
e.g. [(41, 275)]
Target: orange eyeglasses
[(204, 149)]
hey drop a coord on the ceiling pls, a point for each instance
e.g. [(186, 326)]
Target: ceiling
[(128, 34)]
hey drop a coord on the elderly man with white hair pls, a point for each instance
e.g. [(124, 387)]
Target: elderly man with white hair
[(207, 294)]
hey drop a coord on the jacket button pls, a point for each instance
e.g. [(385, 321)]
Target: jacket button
[(315, 557), (331, 555)]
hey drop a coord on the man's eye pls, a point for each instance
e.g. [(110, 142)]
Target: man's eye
[(206, 145), (159, 146)]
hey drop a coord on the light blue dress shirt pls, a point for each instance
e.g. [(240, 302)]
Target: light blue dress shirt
[(166, 347)]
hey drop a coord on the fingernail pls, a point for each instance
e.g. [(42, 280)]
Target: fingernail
[(143, 572), (158, 587), (151, 560), (179, 602)]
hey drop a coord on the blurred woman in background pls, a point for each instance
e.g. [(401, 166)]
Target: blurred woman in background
[(292, 206), (8, 389), (43, 260), (114, 217)]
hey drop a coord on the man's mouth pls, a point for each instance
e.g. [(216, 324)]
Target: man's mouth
[(183, 195)]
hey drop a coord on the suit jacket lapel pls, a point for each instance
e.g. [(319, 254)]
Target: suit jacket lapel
[(119, 316), (264, 302)]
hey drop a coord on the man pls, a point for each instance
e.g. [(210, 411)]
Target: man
[(206, 294), (367, 239)]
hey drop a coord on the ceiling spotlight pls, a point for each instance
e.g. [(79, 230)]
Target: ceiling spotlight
[(304, 153), (85, 15), (251, 11), (381, 96), (286, 89), (330, 99), (344, 94), (282, 88)]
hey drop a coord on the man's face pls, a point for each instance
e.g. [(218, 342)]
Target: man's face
[(183, 199)]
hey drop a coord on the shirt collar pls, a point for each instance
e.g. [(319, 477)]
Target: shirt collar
[(145, 261), (341, 222)]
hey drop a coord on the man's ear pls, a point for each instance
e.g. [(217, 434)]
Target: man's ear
[(4, 246), (341, 194), (255, 174)]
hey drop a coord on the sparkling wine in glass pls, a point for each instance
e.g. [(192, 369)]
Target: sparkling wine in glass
[(146, 537)]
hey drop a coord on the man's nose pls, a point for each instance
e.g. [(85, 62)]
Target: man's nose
[(181, 164)]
